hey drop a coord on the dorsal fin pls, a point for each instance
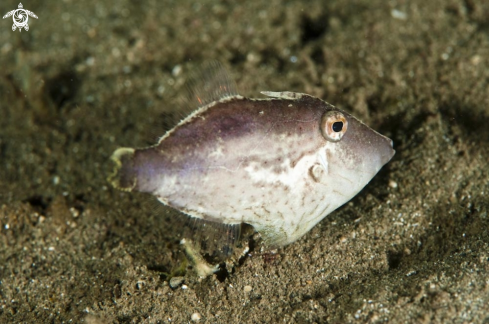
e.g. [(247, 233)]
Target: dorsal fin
[(283, 94), (211, 83)]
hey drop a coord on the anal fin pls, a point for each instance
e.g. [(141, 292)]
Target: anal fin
[(215, 240)]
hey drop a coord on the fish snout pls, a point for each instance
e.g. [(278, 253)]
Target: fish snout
[(387, 150)]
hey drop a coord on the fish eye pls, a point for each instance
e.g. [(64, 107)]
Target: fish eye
[(333, 126), (337, 126)]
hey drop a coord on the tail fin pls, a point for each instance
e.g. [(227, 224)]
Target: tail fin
[(123, 177)]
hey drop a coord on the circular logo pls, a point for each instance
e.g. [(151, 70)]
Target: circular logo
[(20, 18)]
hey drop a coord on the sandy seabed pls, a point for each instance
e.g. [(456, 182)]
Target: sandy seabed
[(91, 76)]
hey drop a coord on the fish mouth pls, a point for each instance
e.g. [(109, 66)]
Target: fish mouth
[(388, 151)]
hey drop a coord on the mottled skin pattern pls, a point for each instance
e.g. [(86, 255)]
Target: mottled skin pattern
[(261, 162)]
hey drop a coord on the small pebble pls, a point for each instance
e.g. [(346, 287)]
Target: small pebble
[(196, 317), (175, 282), (247, 289), (401, 15), (411, 273), (177, 70)]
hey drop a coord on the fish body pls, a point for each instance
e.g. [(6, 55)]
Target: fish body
[(279, 164)]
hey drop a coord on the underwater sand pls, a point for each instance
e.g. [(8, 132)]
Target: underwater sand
[(92, 76)]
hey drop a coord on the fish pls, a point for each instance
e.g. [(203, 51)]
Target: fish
[(280, 164)]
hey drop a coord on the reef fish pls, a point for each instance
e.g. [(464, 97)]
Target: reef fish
[(280, 164)]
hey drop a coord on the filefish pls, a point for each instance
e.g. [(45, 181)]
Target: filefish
[(280, 164)]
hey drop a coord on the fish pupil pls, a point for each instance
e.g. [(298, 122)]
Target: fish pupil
[(337, 126)]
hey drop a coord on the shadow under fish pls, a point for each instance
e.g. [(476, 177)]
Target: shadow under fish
[(279, 164)]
